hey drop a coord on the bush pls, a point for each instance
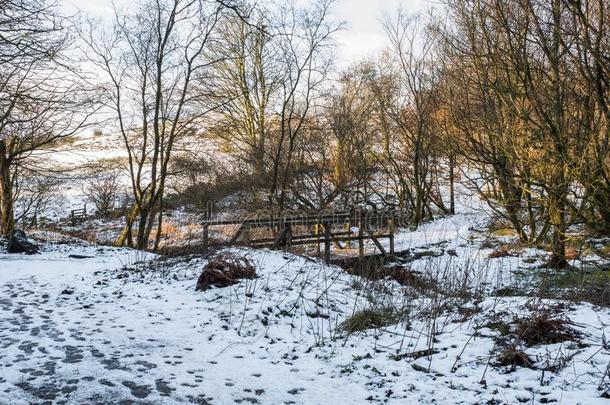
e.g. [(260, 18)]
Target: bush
[(102, 190)]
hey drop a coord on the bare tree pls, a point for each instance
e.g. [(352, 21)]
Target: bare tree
[(36, 196), (586, 40), (151, 58), (265, 88), (304, 40), (350, 119), (408, 108), (240, 88), (102, 189), (42, 96), (527, 121)]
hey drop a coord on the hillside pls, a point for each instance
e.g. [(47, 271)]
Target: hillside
[(118, 326)]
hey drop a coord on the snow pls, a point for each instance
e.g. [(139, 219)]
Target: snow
[(121, 325)]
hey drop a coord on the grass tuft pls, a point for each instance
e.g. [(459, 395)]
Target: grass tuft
[(371, 318), (512, 356)]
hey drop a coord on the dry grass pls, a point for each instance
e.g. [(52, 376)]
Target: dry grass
[(373, 269), (225, 270), (542, 328), (504, 232), (84, 234), (585, 285), (406, 277), (168, 227), (502, 251), (371, 318), (512, 356)]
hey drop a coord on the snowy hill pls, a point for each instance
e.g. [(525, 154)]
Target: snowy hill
[(82, 324)]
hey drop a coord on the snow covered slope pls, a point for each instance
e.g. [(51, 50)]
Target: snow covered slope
[(116, 326)]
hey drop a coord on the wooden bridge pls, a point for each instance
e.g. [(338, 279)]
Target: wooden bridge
[(327, 228)]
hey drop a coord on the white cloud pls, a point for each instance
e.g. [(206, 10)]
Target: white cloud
[(363, 37)]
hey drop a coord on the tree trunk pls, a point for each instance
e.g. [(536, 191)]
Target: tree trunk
[(7, 217), (126, 234), (452, 185), (159, 226), (143, 229), (557, 218)]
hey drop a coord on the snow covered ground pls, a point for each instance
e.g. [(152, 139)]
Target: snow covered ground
[(86, 324)]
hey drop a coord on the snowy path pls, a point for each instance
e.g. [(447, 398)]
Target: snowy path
[(86, 337)]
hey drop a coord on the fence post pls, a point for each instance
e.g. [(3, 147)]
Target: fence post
[(289, 235), (360, 235), (392, 230), (327, 227), (349, 229), (317, 232), (206, 235)]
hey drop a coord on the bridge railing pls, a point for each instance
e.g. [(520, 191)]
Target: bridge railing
[(286, 230)]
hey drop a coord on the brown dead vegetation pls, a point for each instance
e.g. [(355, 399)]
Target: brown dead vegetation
[(542, 328), (502, 251), (225, 270), (512, 356), (406, 277)]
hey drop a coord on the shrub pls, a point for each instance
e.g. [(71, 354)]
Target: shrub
[(102, 190)]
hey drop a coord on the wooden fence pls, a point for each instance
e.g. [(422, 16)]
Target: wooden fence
[(285, 231), (78, 215)]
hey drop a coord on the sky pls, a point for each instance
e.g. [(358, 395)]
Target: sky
[(363, 36)]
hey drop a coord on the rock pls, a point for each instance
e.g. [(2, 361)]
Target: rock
[(452, 252), (80, 257), (18, 242)]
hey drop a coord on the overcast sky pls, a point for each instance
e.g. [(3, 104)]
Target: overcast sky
[(363, 36)]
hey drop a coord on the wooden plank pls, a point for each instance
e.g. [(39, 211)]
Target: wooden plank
[(343, 236), (288, 235), (310, 241), (238, 233), (294, 220), (376, 241)]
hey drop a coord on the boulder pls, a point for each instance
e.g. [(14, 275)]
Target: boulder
[(18, 242)]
